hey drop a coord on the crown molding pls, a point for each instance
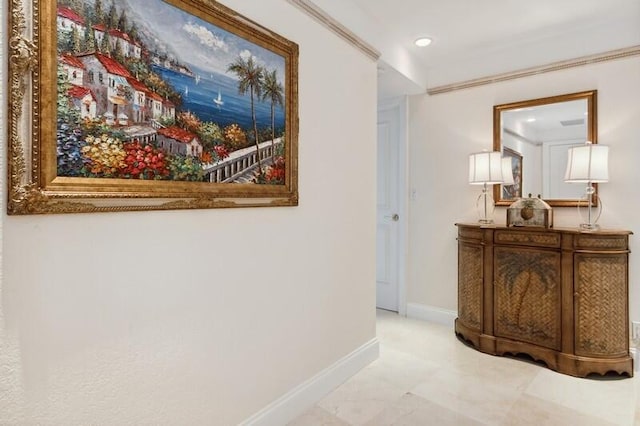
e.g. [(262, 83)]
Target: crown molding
[(325, 19), (527, 72)]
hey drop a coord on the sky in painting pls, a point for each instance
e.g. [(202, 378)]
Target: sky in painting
[(196, 42)]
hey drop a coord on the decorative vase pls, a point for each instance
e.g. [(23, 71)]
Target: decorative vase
[(526, 213)]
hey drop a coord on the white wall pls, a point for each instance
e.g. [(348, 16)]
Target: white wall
[(201, 317), (445, 128)]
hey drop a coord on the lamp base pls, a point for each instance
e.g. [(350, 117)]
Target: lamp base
[(589, 226), (589, 214), (485, 206)]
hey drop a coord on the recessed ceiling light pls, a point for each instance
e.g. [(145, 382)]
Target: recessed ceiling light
[(423, 41), (531, 120)]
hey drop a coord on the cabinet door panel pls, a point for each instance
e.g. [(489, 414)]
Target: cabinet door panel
[(527, 295), (601, 305), (470, 275)]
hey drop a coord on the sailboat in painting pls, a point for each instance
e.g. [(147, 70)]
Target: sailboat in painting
[(218, 101)]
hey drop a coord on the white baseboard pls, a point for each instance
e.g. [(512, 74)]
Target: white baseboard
[(431, 313), (304, 396)]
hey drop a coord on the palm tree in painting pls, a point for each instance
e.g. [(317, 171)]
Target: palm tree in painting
[(250, 78), (273, 92)]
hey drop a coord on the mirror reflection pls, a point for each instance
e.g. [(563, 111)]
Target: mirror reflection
[(536, 135)]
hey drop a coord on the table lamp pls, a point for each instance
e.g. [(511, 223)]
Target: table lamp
[(588, 163), (485, 168)]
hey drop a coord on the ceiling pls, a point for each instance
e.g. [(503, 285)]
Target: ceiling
[(474, 38), (548, 122)]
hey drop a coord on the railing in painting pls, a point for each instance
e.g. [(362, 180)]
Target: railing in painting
[(156, 124), (240, 162)]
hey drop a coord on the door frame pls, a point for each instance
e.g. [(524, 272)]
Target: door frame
[(400, 106)]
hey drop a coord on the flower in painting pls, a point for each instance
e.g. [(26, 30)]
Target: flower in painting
[(275, 174), (235, 137), (105, 155), (143, 161), (71, 162)]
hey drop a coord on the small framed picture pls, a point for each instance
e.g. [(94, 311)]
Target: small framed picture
[(512, 192)]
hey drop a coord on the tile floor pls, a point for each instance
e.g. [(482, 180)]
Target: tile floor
[(426, 376)]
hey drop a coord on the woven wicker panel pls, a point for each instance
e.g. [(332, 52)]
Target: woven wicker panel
[(529, 238), (527, 296), (592, 241), (470, 285), (473, 233), (601, 305)]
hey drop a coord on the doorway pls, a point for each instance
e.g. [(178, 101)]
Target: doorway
[(391, 230)]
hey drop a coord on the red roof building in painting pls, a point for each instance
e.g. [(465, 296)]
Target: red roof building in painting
[(138, 85), (79, 92), (180, 141), (84, 101), (113, 32), (71, 60), (108, 79), (112, 66), (154, 104), (168, 109), (140, 108), (74, 69), (116, 37), (177, 133), (70, 14), (68, 19)]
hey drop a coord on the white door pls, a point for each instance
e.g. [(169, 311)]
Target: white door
[(554, 164), (389, 215)]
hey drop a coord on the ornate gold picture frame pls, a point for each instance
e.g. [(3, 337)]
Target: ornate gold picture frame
[(126, 105)]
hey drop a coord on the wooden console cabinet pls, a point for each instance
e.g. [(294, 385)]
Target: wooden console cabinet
[(557, 295)]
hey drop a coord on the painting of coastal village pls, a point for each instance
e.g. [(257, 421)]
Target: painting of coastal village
[(146, 90)]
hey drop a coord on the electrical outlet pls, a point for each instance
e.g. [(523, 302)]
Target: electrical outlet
[(635, 331)]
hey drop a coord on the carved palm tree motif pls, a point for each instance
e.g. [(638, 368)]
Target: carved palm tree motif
[(527, 295)]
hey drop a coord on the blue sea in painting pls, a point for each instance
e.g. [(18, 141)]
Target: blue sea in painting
[(200, 96)]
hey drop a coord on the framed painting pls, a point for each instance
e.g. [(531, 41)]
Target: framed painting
[(513, 192), (122, 105)]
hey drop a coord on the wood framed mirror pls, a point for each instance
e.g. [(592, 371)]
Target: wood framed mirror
[(536, 134)]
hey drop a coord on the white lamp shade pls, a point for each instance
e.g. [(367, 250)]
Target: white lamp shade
[(507, 171), (485, 167), (587, 163)]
